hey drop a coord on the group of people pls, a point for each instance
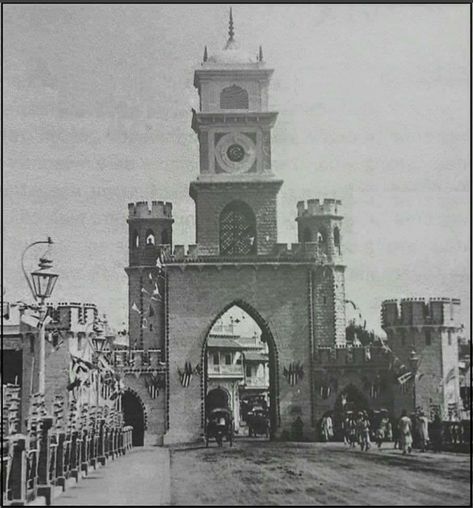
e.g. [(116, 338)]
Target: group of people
[(359, 428)]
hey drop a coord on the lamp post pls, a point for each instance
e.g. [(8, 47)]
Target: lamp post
[(41, 283), (98, 341), (414, 362)]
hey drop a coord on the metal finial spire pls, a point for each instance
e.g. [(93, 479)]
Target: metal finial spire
[(205, 54), (260, 56), (231, 32)]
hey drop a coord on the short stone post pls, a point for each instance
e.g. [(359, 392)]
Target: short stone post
[(17, 481), (75, 448), (44, 485), (101, 444), (84, 452), (60, 461)]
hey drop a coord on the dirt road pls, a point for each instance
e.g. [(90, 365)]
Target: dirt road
[(265, 473)]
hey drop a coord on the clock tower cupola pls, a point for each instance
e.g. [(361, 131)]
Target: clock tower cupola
[(236, 190)]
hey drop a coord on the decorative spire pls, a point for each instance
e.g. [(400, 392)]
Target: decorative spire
[(205, 54), (260, 55), (231, 32)]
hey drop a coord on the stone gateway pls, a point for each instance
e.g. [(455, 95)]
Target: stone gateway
[(295, 293)]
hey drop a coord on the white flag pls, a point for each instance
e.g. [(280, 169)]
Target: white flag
[(31, 320), (135, 307), (404, 377), (158, 261)]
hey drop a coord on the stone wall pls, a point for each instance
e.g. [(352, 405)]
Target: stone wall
[(211, 199), (271, 294)]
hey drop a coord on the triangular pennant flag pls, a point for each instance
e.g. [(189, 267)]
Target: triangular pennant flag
[(159, 264), (143, 290), (150, 276), (404, 377), (135, 308), (156, 293)]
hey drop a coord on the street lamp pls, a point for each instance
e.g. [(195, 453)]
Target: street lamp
[(41, 285), (414, 362), (98, 341)]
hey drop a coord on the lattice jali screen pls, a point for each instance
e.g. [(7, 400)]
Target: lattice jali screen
[(237, 230)]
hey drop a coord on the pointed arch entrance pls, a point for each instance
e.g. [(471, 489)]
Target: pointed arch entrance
[(266, 338), (134, 415), (350, 399)]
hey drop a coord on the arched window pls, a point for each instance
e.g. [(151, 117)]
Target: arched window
[(150, 239), (307, 235), (336, 238), (237, 230), (321, 235), (165, 237), (234, 97), (134, 239)]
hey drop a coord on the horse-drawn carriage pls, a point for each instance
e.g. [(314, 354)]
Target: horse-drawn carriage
[(219, 426), (258, 422)]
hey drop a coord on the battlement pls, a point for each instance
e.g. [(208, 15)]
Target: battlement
[(314, 207), (309, 251), (71, 316), (439, 311), (338, 356), (142, 210)]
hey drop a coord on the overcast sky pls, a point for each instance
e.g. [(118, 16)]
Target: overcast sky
[(373, 103)]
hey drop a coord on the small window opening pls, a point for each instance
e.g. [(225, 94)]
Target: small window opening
[(150, 238)]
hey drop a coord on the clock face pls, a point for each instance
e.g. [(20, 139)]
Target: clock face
[(235, 153)]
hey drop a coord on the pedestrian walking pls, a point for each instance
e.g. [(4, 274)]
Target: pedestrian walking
[(382, 431), (327, 428), (436, 433), (405, 433), (363, 429), (423, 431)]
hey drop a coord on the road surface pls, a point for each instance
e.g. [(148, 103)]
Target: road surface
[(256, 472), (139, 478)]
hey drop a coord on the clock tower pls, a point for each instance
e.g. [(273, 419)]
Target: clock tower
[(236, 190)]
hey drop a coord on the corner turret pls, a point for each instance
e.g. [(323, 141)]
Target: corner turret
[(321, 223), (149, 227)]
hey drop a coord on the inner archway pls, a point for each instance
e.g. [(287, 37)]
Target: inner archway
[(133, 415), (350, 401), (240, 370)]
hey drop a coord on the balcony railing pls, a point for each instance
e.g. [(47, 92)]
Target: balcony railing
[(256, 382), (225, 370)]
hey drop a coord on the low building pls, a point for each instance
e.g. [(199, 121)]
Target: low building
[(237, 372), (69, 354)]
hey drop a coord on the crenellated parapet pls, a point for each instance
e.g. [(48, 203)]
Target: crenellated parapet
[(71, 316), (313, 207), (153, 210), (440, 311), (343, 356), (303, 252)]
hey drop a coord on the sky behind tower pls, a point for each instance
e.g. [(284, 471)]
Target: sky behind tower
[(373, 110)]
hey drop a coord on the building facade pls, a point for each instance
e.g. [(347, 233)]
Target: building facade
[(295, 293)]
